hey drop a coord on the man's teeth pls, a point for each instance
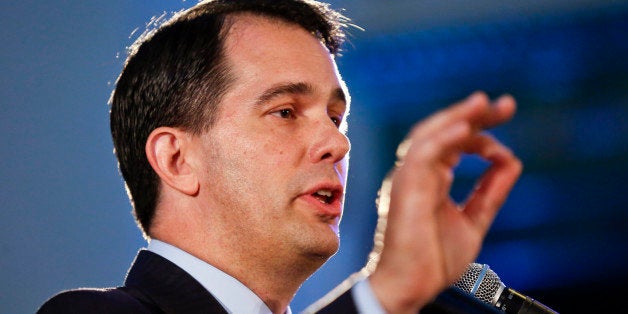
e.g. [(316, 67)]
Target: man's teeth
[(326, 193), (324, 196)]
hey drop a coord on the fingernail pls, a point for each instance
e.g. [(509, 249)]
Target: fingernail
[(475, 95), (504, 97), (478, 96)]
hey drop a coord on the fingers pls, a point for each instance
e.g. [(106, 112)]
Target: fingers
[(436, 145), (503, 110), (495, 184), (426, 172), (476, 110), (428, 240)]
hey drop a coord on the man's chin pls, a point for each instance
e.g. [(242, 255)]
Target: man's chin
[(318, 241), (321, 247), (326, 249), (320, 257)]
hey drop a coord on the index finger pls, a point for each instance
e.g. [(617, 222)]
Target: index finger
[(475, 110), (495, 184)]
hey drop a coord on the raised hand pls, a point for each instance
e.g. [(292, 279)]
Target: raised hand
[(430, 239)]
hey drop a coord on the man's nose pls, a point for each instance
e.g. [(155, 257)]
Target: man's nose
[(330, 144)]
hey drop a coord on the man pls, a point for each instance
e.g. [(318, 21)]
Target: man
[(228, 124)]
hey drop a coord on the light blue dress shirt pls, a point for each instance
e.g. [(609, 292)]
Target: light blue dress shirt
[(230, 293), (234, 296)]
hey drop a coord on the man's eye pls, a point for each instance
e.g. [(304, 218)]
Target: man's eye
[(336, 121), (284, 113)]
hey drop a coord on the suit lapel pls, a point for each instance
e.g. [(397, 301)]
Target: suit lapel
[(169, 287)]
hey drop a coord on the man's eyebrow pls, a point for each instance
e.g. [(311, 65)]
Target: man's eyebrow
[(285, 89), (300, 88), (339, 94)]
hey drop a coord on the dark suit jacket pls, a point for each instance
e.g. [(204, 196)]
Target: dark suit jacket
[(153, 285), (156, 285)]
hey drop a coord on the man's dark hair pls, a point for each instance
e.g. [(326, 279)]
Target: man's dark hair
[(176, 75)]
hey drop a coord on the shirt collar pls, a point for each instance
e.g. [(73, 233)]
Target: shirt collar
[(234, 296)]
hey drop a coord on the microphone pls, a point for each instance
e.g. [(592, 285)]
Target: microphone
[(484, 284)]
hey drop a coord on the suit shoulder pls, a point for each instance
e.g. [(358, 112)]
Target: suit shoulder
[(84, 300)]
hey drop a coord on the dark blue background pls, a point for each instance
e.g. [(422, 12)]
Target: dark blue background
[(65, 220)]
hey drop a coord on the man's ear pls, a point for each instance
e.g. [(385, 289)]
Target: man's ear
[(166, 150)]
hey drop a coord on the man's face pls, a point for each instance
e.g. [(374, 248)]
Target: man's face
[(274, 164)]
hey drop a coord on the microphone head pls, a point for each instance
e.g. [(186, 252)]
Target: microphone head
[(480, 281)]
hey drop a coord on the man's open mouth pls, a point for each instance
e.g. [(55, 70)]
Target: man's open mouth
[(324, 196)]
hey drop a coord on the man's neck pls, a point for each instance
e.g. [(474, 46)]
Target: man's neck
[(275, 280)]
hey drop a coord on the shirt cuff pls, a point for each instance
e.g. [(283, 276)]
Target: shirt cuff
[(365, 300)]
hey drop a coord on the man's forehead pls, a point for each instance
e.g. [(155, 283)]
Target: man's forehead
[(252, 38), (251, 34)]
